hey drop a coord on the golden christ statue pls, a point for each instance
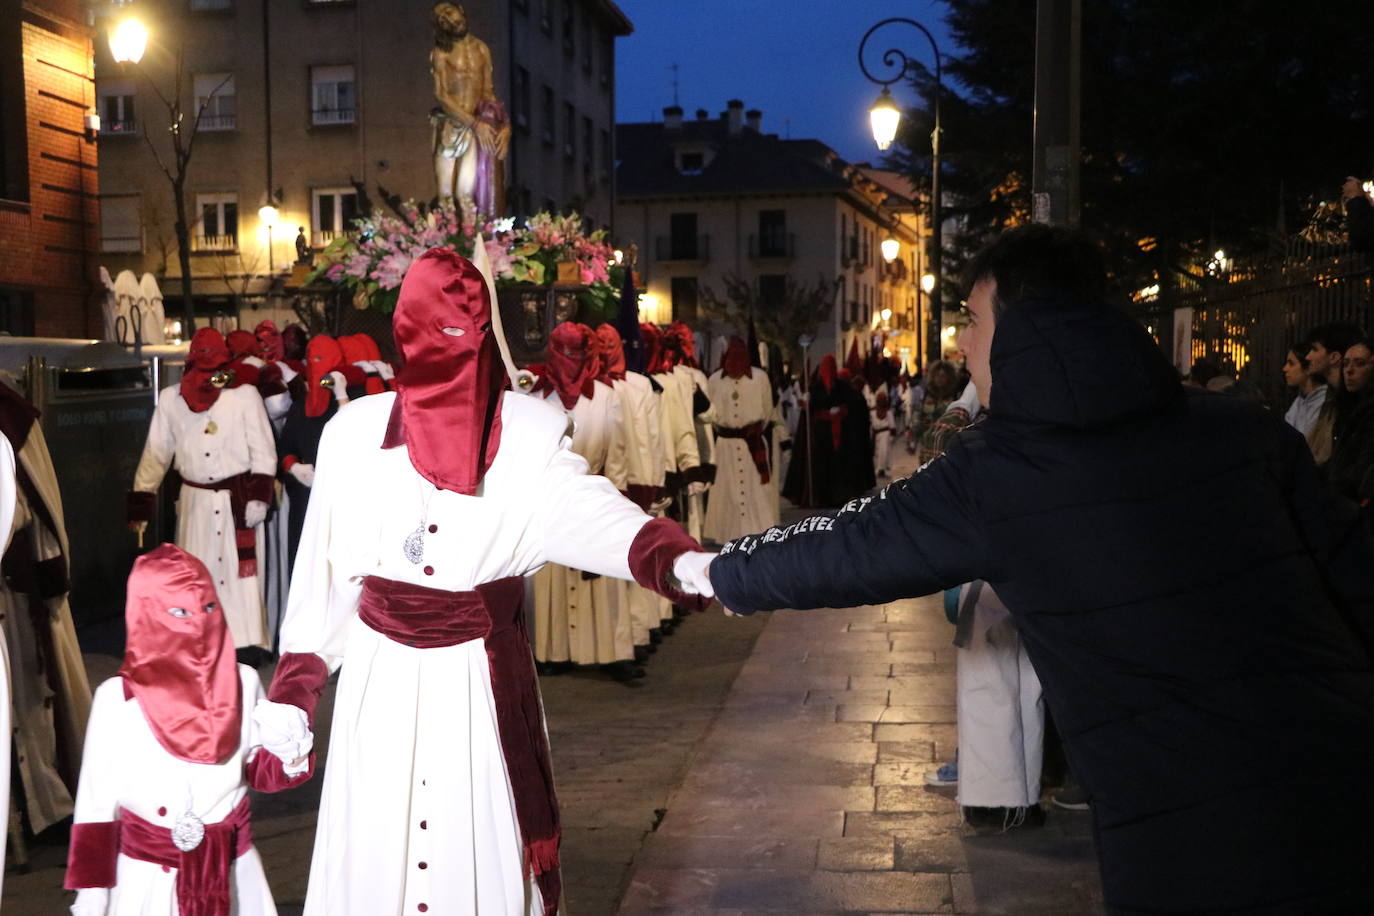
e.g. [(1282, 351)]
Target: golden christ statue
[(471, 130)]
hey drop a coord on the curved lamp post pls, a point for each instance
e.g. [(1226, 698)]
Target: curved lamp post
[(884, 117)]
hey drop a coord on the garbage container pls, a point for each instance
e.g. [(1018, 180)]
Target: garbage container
[(96, 400)]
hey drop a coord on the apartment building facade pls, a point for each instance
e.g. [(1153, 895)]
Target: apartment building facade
[(711, 197), (49, 182), (316, 106)]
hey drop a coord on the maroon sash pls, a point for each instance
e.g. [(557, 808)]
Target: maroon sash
[(755, 437), (428, 618), (243, 488), (202, 873)]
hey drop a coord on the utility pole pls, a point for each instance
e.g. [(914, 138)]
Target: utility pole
[(1058, 45)]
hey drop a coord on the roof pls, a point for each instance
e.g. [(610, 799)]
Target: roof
[(620, 23), (747, 162)]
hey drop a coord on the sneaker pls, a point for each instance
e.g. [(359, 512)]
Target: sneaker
[(946, 775), (1071, 798)]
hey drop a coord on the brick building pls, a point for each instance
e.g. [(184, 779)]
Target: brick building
[(49, 234)]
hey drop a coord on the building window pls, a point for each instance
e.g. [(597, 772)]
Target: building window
[(546, 16), (217, 228), (773, 234), (569, 23), (772, 289), (607, 155), (691, 163), (215, 100), (117, 108), (607, 58), (333, 96), (569, 131), (522, 98), (16, 313), (121, 225), (588, 150), (547, 128), (682, 236), (684, 293), (586, 44), (332, 211), (204, 6), (521, 6)]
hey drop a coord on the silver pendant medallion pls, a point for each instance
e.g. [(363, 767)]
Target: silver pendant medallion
[(188, 832), (414, 547)]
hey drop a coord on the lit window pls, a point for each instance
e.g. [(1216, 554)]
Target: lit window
[(333, 95), (215, 101), (217, 225), (332, 213)]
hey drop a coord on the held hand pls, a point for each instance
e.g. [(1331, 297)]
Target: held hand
[(255, 513), (696, 487), (690, 569), (284, 732), (304, 473)]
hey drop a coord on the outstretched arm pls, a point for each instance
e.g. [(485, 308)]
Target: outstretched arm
[(916, 537)]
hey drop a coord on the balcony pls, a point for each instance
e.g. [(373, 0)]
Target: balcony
[(217, 122), (117, 128), (322, 237), (121, 243), (774, 245), (215, 243), (682, 248), (330, 116)]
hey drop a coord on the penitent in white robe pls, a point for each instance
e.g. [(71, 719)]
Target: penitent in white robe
[(8, 496), (233, 436), (741, 503), (414, 771), (644, 467), (124, 766), (577, 619)]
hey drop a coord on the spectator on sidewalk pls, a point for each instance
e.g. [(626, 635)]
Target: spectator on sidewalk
[(1311, 390), (1325, 354), (880, 417), (1351, 469), (1217, 705)]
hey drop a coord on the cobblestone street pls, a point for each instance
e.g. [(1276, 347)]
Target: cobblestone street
[(766, 764)]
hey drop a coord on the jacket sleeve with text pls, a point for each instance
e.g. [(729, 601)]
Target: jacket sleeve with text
[(915, 537)]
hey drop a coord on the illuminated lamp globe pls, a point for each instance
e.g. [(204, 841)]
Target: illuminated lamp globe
[(128, 41), (928, 283), (887, 314), (891, 248), (884, 116), (268, 214)]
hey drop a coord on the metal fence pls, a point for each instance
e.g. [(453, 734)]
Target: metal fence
[(1247, 321)]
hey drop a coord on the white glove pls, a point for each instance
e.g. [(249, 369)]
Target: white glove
[(696, 487), (304, 473), (690, 570), (255, 513), (383, 369), (340, 387), (91, 901), (283, 731)]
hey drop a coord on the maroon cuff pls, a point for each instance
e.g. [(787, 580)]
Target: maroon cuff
[(702, 473), (658, 544), (266, 773), (642, 495), (91, 855), (139, 506), (260, 487), (299, 681)]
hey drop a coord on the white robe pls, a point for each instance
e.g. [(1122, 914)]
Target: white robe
[(415, 771), (704, 424), (680, 451), (8, 490), (576, 619), (644, 466), (241, 443), (741, 503), (125, 767)]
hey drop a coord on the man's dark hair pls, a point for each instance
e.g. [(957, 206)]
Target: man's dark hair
[(1040, 262), (1338, 336)]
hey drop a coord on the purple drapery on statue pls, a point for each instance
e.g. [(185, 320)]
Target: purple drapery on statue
[(491, 112)]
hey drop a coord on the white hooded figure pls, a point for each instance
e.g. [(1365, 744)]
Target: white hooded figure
[(153, 314)]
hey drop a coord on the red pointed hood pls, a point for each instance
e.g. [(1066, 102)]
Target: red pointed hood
[(323, 355), (448, 401), (653, 347), (208, 354), (612, 352), (271, 347), (679, 347), (736, 362), (179, 657), (827, 371), (571, 364)]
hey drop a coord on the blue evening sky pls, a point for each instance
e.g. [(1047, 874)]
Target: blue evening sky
[(796, 60)]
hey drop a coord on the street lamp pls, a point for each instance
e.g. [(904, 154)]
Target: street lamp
[(885, 117), (128, 41), (928, 283), (268, 215), (890, 248)]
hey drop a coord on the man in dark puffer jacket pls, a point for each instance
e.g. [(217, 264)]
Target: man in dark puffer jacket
[(1216, 697)]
